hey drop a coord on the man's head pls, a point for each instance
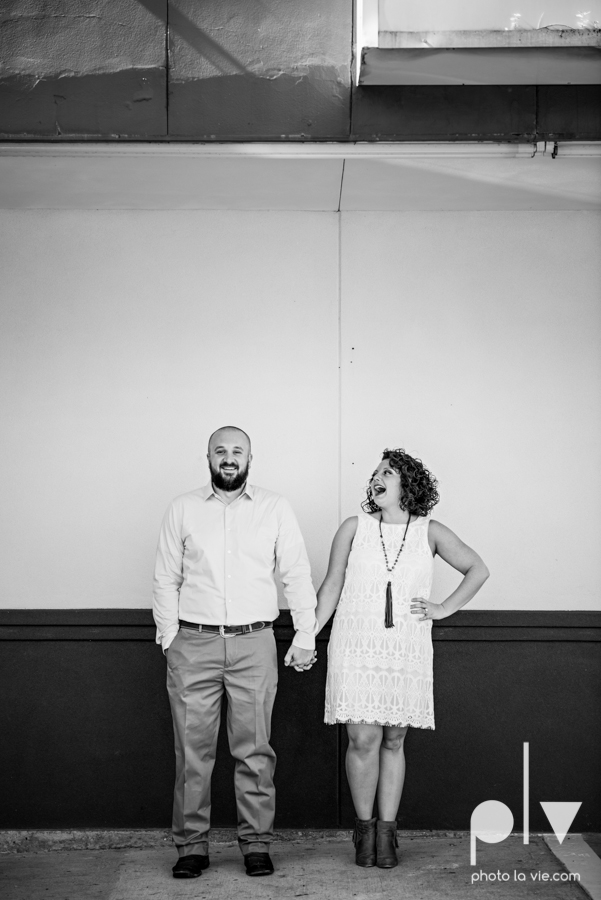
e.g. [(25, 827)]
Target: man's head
[(229, 457)]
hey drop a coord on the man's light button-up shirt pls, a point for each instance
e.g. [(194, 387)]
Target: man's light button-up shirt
[(216, 564)]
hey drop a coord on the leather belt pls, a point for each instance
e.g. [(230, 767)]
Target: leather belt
[(226, 630)]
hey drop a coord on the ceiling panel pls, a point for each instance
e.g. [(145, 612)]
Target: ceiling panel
[(167, 181), (539, 182), (368, 176)]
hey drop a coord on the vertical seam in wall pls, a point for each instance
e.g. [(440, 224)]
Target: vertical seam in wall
[(340, 194), (167, 66), (352, 72), (340, 358), (339, 765)]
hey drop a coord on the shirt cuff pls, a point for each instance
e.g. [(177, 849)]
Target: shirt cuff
[(166, 639), (304, 641)]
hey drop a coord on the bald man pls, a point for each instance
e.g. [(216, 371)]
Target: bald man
[(215, 599)]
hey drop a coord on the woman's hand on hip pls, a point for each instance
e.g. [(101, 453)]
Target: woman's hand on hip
[(427, 610)]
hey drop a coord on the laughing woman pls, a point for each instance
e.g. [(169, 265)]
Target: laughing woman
[(380, 653)]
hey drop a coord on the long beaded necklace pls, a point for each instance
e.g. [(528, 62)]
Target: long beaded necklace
[(388, 623)]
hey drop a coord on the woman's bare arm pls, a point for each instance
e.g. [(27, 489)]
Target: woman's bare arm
[(329, 593), (449, 547)]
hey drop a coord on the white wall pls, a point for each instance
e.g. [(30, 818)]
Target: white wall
[(127, 337), (472, 340)]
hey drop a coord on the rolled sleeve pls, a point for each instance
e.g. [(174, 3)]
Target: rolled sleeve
[(168, 577), (295, 572)]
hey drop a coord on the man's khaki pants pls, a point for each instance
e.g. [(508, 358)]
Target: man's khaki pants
[(200, 666)]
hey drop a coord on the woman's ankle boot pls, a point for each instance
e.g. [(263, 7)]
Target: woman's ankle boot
[(386, 841), (364, 839)]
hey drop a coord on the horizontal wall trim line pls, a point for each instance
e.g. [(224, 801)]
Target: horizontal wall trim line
[(334, 150), (137, 625), (517, 618)]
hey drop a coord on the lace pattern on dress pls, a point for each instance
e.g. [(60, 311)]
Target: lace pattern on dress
[(379, 675)]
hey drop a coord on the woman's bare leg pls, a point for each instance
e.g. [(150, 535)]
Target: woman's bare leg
[(363, 766), (392, 772)]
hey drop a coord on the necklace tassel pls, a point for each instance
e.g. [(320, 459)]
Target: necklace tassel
[(388, 623)]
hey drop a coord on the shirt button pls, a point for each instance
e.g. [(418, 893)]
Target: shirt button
[(229, 551)]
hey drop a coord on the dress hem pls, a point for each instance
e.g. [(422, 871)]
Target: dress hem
[(384, 724)]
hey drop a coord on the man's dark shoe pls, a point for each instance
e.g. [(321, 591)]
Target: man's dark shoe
[(190, 866), (258, 864)]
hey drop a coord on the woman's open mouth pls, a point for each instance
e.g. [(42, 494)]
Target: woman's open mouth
[(378, 489)]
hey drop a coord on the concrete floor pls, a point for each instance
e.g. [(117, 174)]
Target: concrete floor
[(432, 866)]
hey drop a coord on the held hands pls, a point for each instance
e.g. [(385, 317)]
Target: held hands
[(427, 610), (302, 660)]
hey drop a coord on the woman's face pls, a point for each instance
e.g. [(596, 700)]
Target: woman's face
[(385, 485)]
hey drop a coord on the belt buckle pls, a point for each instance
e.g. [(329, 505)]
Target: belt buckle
[(224, 633)]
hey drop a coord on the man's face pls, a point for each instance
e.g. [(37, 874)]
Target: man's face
[(229, 459)]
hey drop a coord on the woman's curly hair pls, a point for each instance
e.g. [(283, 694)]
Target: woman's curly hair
[(419, 492)]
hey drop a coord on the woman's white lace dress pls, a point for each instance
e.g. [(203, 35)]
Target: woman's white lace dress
[(378, 675)]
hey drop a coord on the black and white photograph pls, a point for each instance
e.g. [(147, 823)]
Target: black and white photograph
[(300, 469)]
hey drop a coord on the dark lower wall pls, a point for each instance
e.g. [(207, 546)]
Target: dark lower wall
[(87, 740)]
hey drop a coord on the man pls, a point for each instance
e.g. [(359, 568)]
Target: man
[(215, 599)]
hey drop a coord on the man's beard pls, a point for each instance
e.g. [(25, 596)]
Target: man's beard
[(228, 482)]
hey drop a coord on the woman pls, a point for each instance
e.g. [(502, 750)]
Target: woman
[(380, 652)]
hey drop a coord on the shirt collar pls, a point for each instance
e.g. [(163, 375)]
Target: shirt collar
[(207, 491)]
